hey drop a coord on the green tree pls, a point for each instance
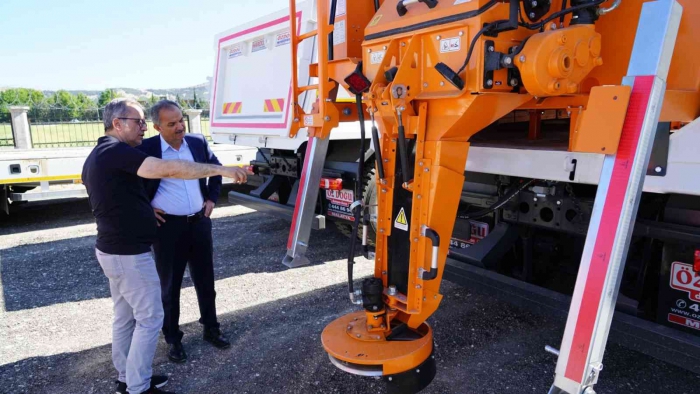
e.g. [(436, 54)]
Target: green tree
[(106, 96), (181, 101)]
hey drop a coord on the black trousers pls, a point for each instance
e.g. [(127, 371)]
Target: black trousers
[(181, 242)]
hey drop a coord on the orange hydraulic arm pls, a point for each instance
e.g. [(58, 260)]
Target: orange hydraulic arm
[(432, 74)]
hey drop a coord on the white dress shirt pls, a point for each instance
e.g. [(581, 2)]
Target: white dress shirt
[(178, 196)]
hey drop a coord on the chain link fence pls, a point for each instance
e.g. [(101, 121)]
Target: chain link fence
[(6, 136), (65, 128)]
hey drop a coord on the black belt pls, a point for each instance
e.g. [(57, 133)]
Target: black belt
[(195, 217)]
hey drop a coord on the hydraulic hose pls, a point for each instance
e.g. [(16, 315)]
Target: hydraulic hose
[(498, 204), (357, 205), (334, 5)]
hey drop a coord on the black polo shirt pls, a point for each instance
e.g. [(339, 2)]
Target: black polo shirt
[(126, 224)]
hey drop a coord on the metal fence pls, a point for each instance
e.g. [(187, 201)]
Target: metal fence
[(62, 128), (204, 124), (6, 135)]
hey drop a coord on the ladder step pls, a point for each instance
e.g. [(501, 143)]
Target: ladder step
[(307, 87), (307, 35)]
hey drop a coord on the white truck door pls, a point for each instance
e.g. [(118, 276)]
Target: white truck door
[(251, 91)]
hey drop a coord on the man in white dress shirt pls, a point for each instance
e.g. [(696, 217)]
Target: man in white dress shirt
[(182, 208)]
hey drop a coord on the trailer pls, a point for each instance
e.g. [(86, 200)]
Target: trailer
[(31, 175), (559, 174)]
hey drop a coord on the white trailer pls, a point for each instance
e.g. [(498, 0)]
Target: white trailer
[(28, 175)]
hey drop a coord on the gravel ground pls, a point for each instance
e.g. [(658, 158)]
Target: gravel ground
[(55, 316)]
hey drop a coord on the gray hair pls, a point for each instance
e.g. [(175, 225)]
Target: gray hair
[(159, 106), (117, 108)]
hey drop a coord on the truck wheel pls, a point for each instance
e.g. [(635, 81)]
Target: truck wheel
[(369, 197)]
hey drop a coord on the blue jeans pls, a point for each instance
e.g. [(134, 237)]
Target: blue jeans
[(138, 316)]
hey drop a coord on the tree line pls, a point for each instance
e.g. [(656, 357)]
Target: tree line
[(64, 106)]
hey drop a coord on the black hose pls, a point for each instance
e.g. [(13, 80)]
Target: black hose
[(403, 154), (377, 152), (358, 193), (563, 7), (376, 5), (334, 4), (559, 14), (498, 204)]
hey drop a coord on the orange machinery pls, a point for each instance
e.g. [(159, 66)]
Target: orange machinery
[(431, 74)]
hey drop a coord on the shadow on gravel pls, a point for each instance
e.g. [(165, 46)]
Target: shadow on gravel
[(482, 346), (49, 273), (45, 216)]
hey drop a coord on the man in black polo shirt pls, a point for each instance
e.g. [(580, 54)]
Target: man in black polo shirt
[(126, 229)]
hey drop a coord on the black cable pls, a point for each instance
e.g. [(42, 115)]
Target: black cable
[(563, 7), (498, 204), (264, 158), (559, 14), (358, 193), (376, 5), (473, 43), (331, 22)]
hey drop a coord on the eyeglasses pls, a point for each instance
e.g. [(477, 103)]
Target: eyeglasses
[(141, 122)]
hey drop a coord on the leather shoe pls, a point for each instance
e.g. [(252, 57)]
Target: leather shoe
[(216, 338), (176, 353)]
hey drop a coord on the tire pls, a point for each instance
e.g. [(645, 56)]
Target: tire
[(369, 197)]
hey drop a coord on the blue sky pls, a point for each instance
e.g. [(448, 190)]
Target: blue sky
[(96, 44)]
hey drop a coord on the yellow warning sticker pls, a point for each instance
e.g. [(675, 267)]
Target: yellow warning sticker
[(375, 20), (401, 223)]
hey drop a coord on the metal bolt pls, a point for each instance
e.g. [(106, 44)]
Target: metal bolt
[(370, 326), (420, 163), (534, 4), (534, 199), (424, 299), (358, 335), (425, 84), (532, 15), (438, 37), (403, 44), (589, 390), (507, 60), (442, 83), (558, 202), (375, 317), (383, 272), (553, 26), (415, 239), (491, 48), (658, 170), (381, 230), (393, 140), (369, 51), (418, 197), (296, 119), (513, 82), (461, 33), (435, 297), (417, 286), (426, 169), (489, 82), (327, 118), (390, 379), (417, 370), (349, 327), (383, 190), (522, 58), (386, 160), (384, 47)]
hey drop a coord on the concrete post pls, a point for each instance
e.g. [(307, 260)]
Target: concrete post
[(20, 127), (195, 116)]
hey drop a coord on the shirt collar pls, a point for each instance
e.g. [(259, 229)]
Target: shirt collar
[(164, 145)]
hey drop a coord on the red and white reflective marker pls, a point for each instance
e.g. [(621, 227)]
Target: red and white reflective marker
[(616, 204)]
